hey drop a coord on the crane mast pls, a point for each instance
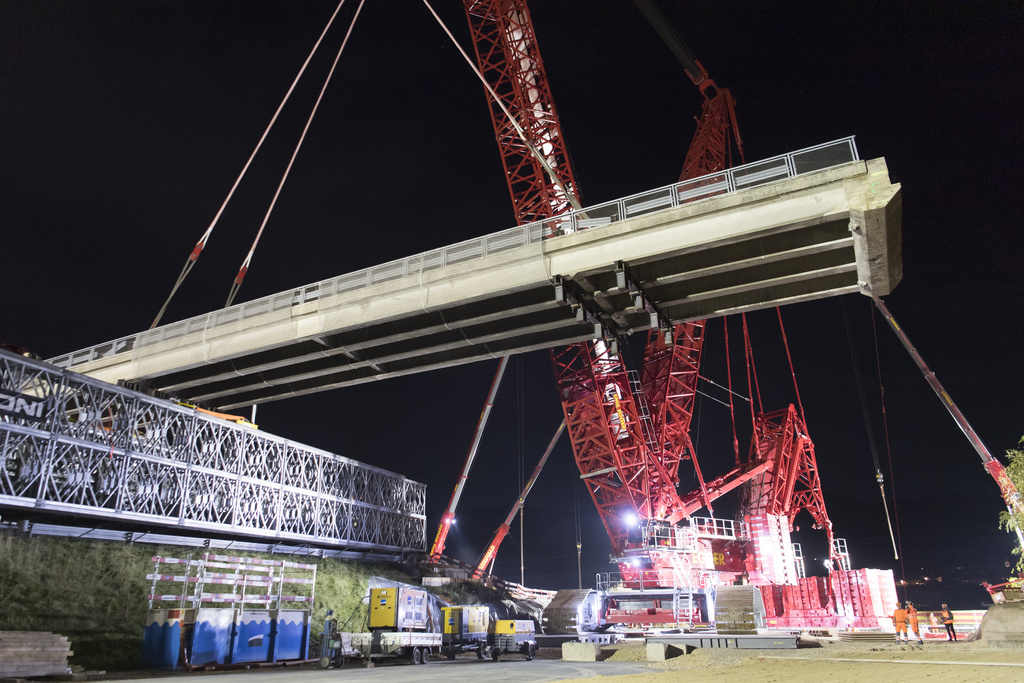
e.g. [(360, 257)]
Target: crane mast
[(630, 431), (508, 57), (630, 465)]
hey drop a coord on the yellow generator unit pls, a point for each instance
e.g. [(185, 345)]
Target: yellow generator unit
[(511, 635), (465, 629), (398, 609)]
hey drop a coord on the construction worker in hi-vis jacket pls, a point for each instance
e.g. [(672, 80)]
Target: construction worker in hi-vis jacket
[(899, 617), (913, 623), (947, 620)]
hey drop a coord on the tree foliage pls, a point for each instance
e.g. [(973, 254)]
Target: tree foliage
[(1013, 522)]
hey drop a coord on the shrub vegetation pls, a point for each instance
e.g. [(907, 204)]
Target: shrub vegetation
[(95, 593)]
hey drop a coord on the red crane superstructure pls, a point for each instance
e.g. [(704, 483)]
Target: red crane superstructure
[(630, 433)]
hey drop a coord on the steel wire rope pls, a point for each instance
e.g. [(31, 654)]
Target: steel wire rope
[(237, 284), (520, 427), (575, 486), (754, 386), (728, 371), (194, 256), (832, 552), (885, 423), (515, 124), (867, 420), (792, 371), (695, 415)]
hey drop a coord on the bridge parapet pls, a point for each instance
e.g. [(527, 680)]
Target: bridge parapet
[(72, 445), (476, 252), (798, 227)]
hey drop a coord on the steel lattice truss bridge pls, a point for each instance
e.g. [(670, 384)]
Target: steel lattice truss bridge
[(73, 446)]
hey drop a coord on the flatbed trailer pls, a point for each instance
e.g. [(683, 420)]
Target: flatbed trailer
[(415, 646)]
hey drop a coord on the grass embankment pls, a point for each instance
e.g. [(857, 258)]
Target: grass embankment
[(95, 593)]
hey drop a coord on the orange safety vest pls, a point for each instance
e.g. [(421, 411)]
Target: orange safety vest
[(912, 616), (900, 616), (947, 617)]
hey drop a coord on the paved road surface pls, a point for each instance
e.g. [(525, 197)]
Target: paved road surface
[(468, 670)]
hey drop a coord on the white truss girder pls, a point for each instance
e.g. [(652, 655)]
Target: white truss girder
[(73, 445)]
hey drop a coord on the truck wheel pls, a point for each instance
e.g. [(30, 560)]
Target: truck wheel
[(530, 650), (426, 655), (416, 656), (481, 653), (496, 654), (450, 653)]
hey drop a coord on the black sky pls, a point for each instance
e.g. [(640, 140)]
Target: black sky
[(124, 124)]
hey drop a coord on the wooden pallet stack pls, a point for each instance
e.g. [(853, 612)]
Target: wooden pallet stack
[(867, 637), (736, 609), (33, 653)]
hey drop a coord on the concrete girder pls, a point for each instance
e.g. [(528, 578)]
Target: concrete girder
[(810, 236)]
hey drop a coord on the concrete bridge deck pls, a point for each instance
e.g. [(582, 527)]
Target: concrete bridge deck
[(806, 225)]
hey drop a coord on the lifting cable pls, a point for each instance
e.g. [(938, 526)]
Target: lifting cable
[(885, 425), (573, 472), (867, 421), (796, 389), (521, 447), (515, 124), (725, 389), (728, 372), (206, 235), (755, 388), (236, 285)]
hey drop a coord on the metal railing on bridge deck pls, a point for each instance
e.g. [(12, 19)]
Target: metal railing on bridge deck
[(800, 162), (72, 445)]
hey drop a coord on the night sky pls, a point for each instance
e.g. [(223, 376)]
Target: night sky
[(124, 124)]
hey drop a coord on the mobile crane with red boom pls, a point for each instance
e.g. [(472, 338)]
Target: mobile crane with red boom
[(630, 431)]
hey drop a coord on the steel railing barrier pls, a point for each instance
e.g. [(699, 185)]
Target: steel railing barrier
[(714, 527), (71, 444), (800, 162)]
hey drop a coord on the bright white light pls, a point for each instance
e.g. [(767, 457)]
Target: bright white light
[(636, 562), (631, 519)]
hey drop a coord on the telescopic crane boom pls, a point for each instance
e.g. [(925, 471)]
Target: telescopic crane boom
[(448, 518), (1011, 496), (487, 558), (710, 150)]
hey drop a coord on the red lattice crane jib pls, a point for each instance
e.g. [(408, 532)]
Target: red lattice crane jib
[(509, 59), (791, 483), (669, 381), (717, 132), (604, 429)]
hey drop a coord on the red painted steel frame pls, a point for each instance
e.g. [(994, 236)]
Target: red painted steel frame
[(717, 130), (606, 438), (669, 381), (791, 482), (508, 57)]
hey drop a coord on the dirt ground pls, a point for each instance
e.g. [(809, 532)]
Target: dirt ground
[(830, 660)]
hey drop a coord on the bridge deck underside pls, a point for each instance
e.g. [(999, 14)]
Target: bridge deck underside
[(796, 264), (804, 238)]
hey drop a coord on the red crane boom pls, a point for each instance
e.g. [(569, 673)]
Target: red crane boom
[(508, 57)]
